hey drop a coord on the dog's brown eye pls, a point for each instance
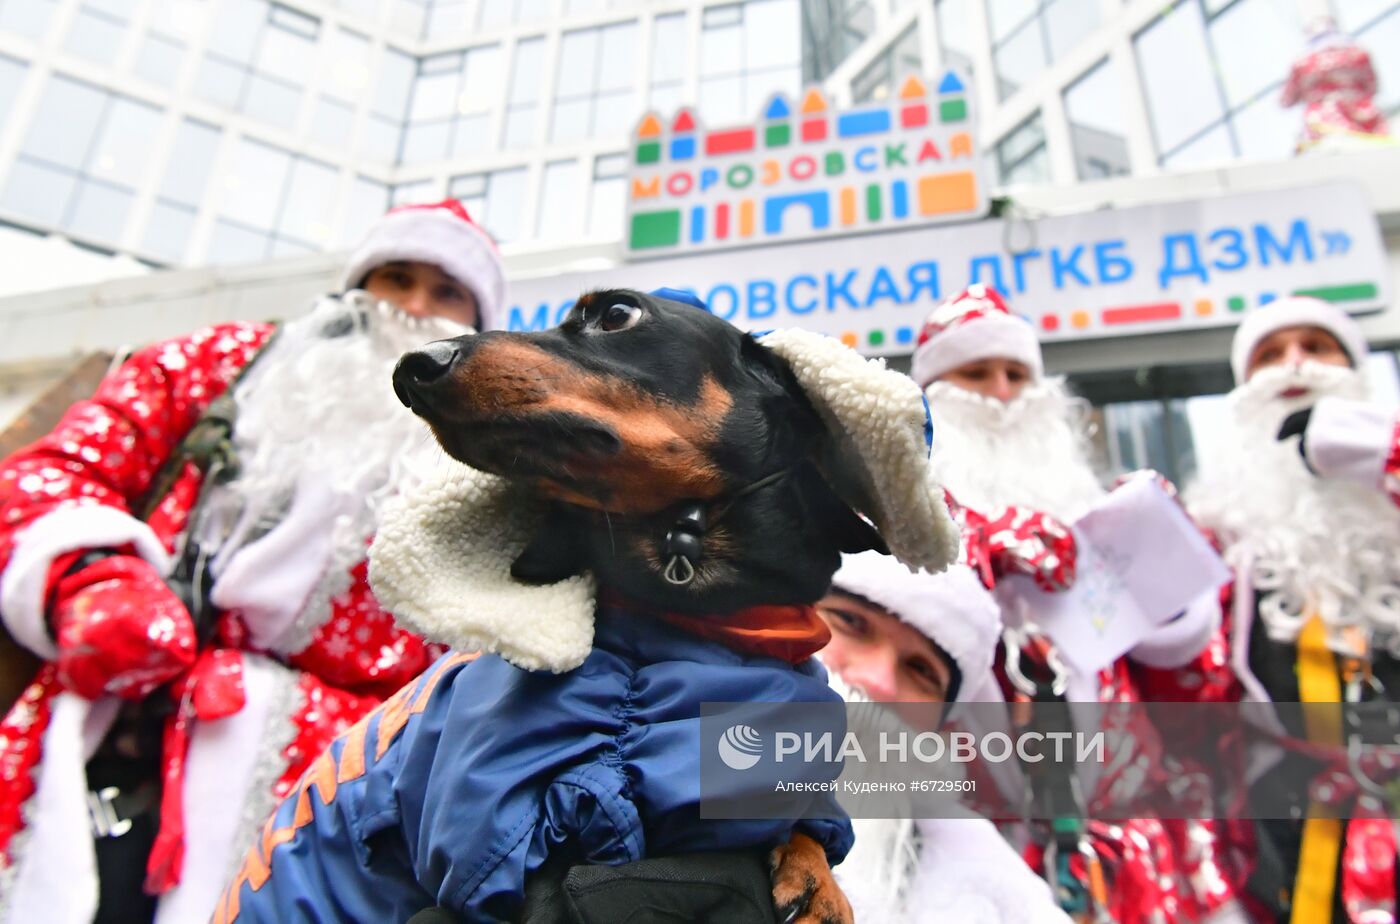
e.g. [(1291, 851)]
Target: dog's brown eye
[(619, 317)]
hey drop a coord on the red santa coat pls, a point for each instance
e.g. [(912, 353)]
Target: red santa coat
[(255, 718), (1344, 439)]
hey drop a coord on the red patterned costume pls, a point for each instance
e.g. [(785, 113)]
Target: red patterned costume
[(1028, 450), (1336, 83), (1295, 493), (253, 717)]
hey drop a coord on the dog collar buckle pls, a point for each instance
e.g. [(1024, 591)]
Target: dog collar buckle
[(685, 542)]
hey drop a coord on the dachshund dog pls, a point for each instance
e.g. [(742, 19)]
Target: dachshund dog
[(681, 464)]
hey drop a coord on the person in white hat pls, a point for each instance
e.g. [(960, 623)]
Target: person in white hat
[(899, 636), (1301, 495), (1008, 433), (186, 554)]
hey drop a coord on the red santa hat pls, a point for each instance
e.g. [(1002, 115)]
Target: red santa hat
[(973, 325), (952, 609), (1294, 311), (443, 234)]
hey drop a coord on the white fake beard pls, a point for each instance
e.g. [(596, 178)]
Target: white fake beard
[(320, 404), (1030, 452), (1310, 543)]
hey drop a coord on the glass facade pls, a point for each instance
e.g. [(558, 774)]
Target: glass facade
[(197, 131)]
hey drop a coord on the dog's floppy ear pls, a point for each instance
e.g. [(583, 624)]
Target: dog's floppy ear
[(875, 444), (555, 553), (851, 531)]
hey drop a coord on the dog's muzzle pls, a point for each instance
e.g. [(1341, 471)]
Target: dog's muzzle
[(419, 374)]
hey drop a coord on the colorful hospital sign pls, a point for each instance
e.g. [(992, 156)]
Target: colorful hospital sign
[(806, 171)]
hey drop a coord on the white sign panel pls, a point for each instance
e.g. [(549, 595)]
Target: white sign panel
[(1175, 266), (803, 170)]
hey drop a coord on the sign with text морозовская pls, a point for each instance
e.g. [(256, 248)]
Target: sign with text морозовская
[(1112, 272), (806, 171)]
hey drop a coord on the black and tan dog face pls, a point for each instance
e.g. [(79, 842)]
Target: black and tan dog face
[(633, 407)]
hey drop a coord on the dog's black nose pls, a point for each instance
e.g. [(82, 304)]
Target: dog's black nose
[(423, 367)]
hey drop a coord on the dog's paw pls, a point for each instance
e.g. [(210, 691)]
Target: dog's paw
[(804, 889)]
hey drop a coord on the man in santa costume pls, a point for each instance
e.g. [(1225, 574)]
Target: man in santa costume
[(899, 636), (186, 552), (1302, 497), (1013, 448)]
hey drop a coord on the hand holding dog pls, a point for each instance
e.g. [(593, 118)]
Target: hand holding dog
[(120, 630)]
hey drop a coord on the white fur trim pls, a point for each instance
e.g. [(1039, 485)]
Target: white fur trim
[(24, 584), (56, 881), (1294, 311), (991, 336), (1174, 644), (269, 580), (969, 874), (952, 609), (222, 760), (434, 235), (441, 564), (877, 419), (1350, 440)]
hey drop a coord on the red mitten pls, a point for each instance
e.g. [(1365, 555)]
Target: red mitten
[(120, 629), (1014, 540)]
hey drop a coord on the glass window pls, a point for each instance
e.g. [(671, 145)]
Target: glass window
[(253, 184), (11, 76), (1030, 35), (158, 60), (99, 212), (493, 14), (954, 33), (747, 51), (668, 60), (368, 201), (229, 243), (411, 193), (346, 62), (505, 197), (331, 122), (559, 206), (124, 145), (168, 231), (219, 82), (29, 18), (311, 193), (65, 123), (1181, 99), (95, 36), (593, 91), (237, 25), (288, 47), (519, 128), (1094, 109), (1260, 39), (272, 101), (1206, 72), (38, 192), (186, 175), (471, 135), (881, 77), (410, 16), (482, 79), (1021, 155), (393, 84), (380, 140), (606, 206), (1386, 35), (1355, 15), (447, 19)]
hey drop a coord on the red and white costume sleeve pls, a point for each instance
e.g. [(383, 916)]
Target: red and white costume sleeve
[(250, 720)]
